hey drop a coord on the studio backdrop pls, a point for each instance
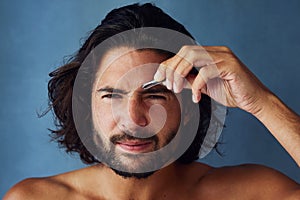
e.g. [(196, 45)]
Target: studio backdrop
[(37, 36)]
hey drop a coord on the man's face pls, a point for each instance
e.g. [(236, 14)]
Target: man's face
[(130, 122)]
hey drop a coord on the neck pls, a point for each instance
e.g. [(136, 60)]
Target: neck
[(152, 187)]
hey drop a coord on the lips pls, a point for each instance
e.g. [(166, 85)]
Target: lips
[(135, 146)]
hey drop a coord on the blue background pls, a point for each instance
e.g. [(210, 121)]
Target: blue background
[(36, 35)]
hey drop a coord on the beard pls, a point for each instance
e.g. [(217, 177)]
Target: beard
[(133, 175), (129, 165)]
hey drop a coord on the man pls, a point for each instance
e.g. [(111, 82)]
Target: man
[(139, 139)]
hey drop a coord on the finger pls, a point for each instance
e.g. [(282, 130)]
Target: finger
[(169, 78), (173, 79), (184, 67), (182, 70), (160, 73), (205, 74), (185, 58), (223, 49), (178, 83), (197, 57), (198, 83), (188, 55), (170, 63)]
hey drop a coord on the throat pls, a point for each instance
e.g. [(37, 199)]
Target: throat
[(150, 185)]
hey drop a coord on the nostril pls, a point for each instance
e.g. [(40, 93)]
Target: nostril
[(143, 123)]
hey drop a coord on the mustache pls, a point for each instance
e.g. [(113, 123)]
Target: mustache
[(125, 136)]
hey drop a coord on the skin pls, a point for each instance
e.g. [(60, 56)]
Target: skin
[(238, 87), (123, 107), (178, 181)]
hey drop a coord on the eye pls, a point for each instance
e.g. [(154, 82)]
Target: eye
[(111, 96)]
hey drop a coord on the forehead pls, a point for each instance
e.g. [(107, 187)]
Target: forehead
[(128, 65)]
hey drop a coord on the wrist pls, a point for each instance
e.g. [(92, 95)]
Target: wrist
[(266, 105)]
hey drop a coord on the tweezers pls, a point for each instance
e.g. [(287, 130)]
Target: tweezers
[(151, 84)]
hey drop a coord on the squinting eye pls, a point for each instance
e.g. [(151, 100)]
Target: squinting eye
[(111, 96), (157, 97)]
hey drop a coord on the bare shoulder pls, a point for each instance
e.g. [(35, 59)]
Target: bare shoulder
[(248, 181), (39, 188), (55, 187)]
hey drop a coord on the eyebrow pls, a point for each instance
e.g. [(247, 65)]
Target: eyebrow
[(153, 90), (157, 89), (112, 90)]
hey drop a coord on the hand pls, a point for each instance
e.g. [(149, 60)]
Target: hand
[(222, 76), (227, 80)]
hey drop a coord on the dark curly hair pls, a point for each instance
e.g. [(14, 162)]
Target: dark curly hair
[(60, 86)]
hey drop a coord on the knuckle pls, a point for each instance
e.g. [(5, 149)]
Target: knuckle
[(161, 69), (169, 74), (193, 52), (184, 48), (179, 72), (183, 71), (203, 71), (202, 76), (225, 48), (178, 79), (197, 83)]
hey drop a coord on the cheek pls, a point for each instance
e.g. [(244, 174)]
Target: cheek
[(173, 118), (103, 120)]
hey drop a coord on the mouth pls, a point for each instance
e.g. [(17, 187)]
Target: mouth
[(135, 146)]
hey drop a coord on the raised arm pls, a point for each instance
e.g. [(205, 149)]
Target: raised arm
[(226, 79)]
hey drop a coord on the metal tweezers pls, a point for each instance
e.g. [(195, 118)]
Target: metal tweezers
[(151, 84)]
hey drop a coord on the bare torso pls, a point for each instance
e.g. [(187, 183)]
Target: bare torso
[(192, 181)]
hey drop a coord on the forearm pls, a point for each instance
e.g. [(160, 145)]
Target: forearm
[(283, 123)]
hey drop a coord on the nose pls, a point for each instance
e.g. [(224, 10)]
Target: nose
[(139, 118), (138, 112)]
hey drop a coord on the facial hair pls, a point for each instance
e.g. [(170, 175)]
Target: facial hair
[(135, 162), (133, 175)]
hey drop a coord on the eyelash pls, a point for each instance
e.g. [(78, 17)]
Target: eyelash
[(117, 96), (111, 96)]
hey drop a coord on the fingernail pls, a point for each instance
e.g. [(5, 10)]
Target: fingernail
[(169, 85), (175, 88), (194, 99), (157, 76)]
